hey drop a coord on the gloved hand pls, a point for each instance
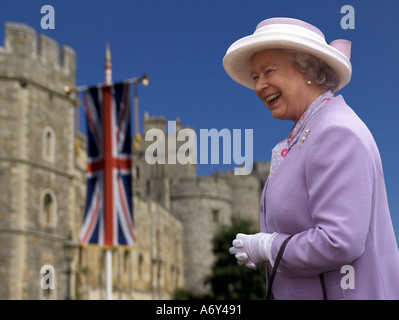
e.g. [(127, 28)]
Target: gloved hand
[(253, 249)]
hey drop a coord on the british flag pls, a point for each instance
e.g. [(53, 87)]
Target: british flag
[(108, 215)]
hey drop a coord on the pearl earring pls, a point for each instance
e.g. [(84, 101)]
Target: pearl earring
[(309, 82)]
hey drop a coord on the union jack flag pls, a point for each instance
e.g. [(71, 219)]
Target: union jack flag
[(108, 215)]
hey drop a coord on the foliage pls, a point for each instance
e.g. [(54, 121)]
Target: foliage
[(228, 279)]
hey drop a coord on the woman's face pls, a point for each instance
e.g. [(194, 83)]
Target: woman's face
[(281, 86)]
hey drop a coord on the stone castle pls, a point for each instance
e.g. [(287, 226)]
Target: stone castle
[(42, 192)]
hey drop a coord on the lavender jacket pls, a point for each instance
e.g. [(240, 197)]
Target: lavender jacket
[(330, 195)]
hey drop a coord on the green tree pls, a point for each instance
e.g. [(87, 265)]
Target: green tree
[(228, 279)]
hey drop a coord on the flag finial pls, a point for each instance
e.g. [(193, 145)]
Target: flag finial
[(108, 65)]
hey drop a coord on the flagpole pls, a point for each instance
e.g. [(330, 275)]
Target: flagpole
[(143, 79), (108, 251), (108, 259), (104, 140)]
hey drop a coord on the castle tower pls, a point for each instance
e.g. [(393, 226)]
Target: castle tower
[(37, 188), (43, 190), (246, 192), (203, 204), (156, 180)]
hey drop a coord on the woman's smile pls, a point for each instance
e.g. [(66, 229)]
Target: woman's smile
[(273, 98), (281, 86)]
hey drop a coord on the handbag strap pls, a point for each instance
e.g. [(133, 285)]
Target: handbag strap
[(275, 267), (323, 286)]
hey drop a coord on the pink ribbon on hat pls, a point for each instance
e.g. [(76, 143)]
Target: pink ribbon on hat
[(343, 46)]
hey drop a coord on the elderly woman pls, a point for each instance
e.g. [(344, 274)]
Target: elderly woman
[(325, 225)]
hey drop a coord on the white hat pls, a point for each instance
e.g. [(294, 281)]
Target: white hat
[(292, 34)]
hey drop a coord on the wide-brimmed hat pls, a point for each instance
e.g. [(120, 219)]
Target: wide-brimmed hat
[(292, 34)]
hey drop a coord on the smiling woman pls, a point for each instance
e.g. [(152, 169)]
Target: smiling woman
[(314, 69), (324, 206), (281, 86)]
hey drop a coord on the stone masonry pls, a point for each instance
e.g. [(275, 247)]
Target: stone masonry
[(42, 192)]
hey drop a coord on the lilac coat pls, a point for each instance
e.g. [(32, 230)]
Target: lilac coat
[(330, 194)]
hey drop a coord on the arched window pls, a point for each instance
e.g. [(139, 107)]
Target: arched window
[(126, 260), (141, 260), (137, 172), (48, 209), (48, 144), (215, 215), (148, 188)]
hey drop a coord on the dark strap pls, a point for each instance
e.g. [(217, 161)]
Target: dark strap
[(277, 262), (323, 286)]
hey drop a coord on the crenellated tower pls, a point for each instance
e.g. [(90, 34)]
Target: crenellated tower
[(37, 172), (43, 190)]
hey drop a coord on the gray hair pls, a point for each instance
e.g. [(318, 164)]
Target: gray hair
[(314, 69)]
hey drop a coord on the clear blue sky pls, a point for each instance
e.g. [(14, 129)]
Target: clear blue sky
[(180, 45)]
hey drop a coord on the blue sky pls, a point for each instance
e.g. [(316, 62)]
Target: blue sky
[(180, 45)]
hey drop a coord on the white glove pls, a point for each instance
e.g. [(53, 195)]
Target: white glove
[(253, 249)]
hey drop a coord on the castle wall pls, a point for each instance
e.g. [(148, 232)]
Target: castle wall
[(36, 159), (152, 269), (202, 204), (154, 181), (43, 191), (246, 191), (36, 58)]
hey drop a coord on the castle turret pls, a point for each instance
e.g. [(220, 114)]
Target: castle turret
[(155, 180), (36, 159), (246, 192), (203, 204)]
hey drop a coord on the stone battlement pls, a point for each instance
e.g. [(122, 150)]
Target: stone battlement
[(36, 58), (207, 187)]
